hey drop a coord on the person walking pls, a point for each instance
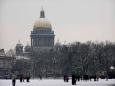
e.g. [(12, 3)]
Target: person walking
[(73, 79), (28, 77), (21, 77), (13, 79)]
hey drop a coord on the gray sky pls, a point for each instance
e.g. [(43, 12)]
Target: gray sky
[(72, 20)]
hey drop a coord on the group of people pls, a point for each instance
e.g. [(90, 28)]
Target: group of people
[(74, 78), (21, 77), (78, 78), (66, 78)]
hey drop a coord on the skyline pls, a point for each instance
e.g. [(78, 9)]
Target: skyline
[(81, 20)]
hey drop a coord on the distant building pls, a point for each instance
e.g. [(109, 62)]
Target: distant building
[(6, 64), (22, 52), (19, 49), (2, 52), (42, 39), (22, 63), (42, 34), (27, 48)]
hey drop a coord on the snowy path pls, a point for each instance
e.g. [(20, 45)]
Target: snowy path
[(57, 82)]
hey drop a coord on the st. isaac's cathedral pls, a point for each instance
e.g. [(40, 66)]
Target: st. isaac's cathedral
[(42, 36), (42, 39)]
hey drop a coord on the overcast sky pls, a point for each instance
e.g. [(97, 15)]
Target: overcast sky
[(72, 20)]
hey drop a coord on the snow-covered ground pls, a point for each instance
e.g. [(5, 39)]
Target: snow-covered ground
[(58, 82)]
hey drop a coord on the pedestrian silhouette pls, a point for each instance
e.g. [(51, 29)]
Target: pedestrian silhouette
[(73, 79), (13, 79), (28, 77), (21, 78)]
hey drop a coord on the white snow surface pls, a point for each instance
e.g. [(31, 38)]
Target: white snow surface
[(57, 82)]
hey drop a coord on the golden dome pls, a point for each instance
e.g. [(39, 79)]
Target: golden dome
[(42, 23)]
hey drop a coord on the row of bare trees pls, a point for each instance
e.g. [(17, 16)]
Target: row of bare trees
[(81, 58)]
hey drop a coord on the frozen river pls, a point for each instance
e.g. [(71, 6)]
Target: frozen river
[(58, 82)]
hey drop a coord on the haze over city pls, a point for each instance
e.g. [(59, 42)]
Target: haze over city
[(72, 20)]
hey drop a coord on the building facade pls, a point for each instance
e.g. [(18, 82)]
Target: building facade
[(6, 64), (42, 34)]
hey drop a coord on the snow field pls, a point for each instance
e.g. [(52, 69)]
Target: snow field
[(58, 82)]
